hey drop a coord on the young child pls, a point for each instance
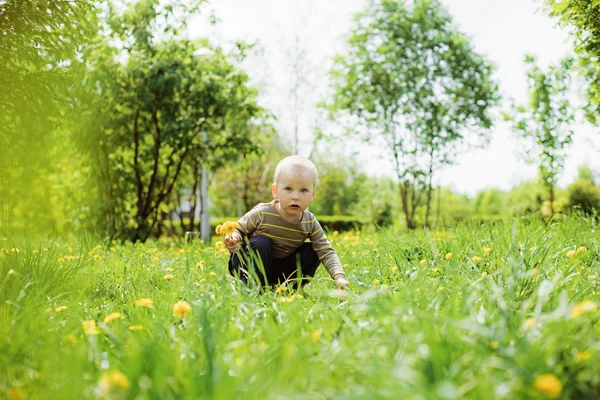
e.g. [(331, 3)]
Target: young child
[(277, 231)]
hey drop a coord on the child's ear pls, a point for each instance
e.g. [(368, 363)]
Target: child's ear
[(274, 190)]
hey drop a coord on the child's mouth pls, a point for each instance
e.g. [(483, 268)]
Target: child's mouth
[(294, 206)]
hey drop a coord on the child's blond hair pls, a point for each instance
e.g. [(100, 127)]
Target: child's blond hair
[(296, 162)]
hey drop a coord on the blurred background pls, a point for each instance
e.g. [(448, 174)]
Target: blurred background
[(136, 119)]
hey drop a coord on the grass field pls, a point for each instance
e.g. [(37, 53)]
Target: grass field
[(505, 310)]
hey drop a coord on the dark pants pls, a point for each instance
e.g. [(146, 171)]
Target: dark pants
[(300, 266)]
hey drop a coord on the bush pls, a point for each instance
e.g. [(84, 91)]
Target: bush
[(583, 195)]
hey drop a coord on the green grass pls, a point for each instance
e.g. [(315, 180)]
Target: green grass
[(432, 329)]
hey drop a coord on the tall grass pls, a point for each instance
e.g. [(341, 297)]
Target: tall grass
[(479, 311)]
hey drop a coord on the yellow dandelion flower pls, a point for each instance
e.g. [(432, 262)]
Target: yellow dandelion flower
[(376, 282), (549, 384), (168, 269), (436, 271), (494, 345), (571, 253), (200, 265), (583, 355), (227, 228), (113, 379), (181, 308), (155, 259), (476, 259), (487, 250), (316, 336), (112, 316), (282, 289), (530, 323), (212, 273), (89, 327), (448, 257), (60, 309), (583, 307), (168, 277), (483, 274), (581, 249), (144, 303), (113, 249), (422, 263), (441, 289), (16, 394), (135, 328), (394, 269)]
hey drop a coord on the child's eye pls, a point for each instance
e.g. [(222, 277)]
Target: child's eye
[(287, 189), (304, 190)]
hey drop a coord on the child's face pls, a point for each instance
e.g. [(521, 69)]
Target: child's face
[(295, 191)]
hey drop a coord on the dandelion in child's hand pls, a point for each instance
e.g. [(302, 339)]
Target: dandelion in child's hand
[(181, 308), (549, 384), (227, 228)]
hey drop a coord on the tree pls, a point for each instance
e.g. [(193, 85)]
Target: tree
[(41, 40), (160, 112), (544, 122), (414, 85)]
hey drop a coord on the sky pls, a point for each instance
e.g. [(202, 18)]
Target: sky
[(503, 31)]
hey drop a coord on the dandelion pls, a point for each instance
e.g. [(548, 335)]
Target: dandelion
[(135, 328), (483, 274), (494, 345), (113, 250), (476, 259), (144, 303), (530, 323), (487, 250), (441, 289), (227, 228), (89, 327), (549, 384), (571, 253), (316, 336), (113, 379), (181, 308), (448, 257), (168, 269), (581, 249), (583, 307), (168, 277), (212, 273), (155, 259), (394, 269), (16, 394), (200, 265), (422, 263), (111, 317), (60, 309), (583, 355), (376, 282), (282, 289)]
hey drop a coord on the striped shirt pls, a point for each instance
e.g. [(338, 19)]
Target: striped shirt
[(286, 237)]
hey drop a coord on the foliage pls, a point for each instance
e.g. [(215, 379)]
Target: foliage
[(40, 46), (583, 195), (153, 118), (582, 17), (544, 123), (417, 87), (475, 312)]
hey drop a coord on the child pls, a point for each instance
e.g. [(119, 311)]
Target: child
[(277, 231)]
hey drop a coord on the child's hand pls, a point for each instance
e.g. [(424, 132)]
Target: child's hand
[(232, 242), (341, 282)]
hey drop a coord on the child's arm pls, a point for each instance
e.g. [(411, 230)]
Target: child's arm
[(328, 256), (246, 225)]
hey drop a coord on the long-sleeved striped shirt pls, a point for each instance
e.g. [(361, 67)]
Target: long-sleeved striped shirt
[(286, 237)]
